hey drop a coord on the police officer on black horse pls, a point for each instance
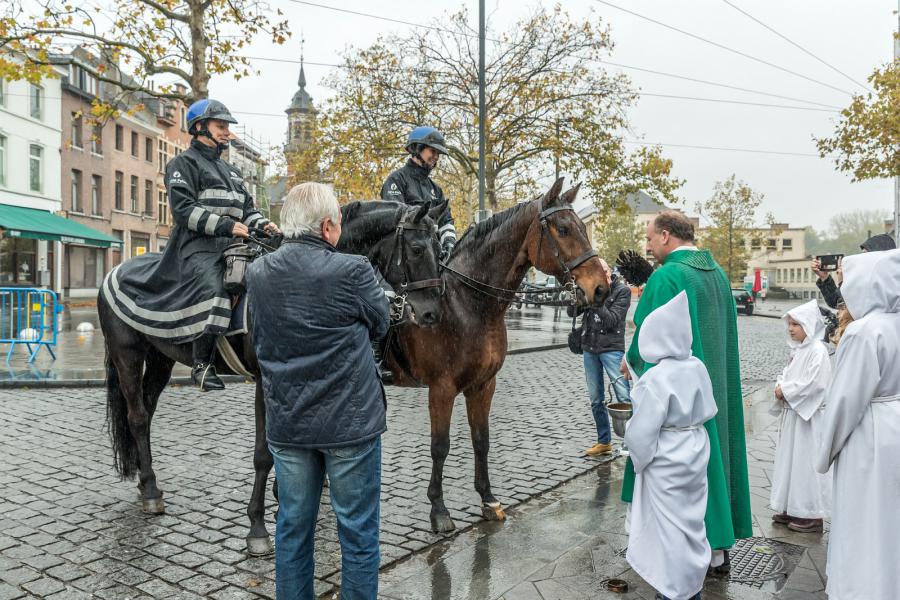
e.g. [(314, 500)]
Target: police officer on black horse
[(412, 183), (179, 295)]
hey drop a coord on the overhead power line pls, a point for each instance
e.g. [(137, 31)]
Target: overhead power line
[(796, 45), (724, 47), (641, 93), (722, 149)]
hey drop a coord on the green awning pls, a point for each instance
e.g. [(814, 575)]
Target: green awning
[(17, 221)]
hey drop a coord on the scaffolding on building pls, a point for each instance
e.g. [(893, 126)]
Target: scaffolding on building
[(249, 149)]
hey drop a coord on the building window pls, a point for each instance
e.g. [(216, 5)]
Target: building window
[(771, 244), (140, 244), (148, 149), (148, 197), (76, 130), (76, 191), (35, 168), (85, 267), (161, 155), (787, 244), (36, 101), (83, 79), (120, 137), (162, 207), (117, 250), (17, 260), (134, 144), (134, 193), (183, 120), (117, 196), (96, 191), (2, 159), (755, 243), (97, 139)]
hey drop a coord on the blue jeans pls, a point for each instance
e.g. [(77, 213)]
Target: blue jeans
[(354, 477), (594, 365)]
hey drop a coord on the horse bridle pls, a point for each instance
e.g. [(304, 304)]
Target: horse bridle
[(406, 286), (566, 266)]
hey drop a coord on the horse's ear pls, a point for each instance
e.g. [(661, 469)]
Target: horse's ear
[(437, 210), (570, 195), (552, 195), (421, 211)]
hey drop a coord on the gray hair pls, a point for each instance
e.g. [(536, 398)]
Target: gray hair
[(306, 207)]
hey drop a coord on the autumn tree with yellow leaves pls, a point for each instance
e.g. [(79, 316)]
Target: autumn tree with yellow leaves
[(181, 41), (550, 103)]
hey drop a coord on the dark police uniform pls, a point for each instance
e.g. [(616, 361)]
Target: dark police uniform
[(178, 294), (411, 184)]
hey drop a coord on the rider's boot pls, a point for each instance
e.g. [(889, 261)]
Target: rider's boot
[(204, 372), (378, 351)]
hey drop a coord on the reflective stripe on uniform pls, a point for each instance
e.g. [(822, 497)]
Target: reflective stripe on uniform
[(211, 222), (168, 316), (194, 218)]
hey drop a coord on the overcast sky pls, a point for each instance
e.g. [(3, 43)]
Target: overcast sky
[(850, 35)]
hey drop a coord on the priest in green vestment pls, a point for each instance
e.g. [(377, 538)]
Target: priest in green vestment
[(714, 327)]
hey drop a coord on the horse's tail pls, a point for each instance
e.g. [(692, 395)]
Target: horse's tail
[(125, 455)]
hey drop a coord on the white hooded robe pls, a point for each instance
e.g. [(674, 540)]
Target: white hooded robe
[(669, 447), (797, 489), (860, 434)]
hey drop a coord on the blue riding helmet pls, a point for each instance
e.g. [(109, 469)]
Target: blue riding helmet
[(425, 136), (202, 110)]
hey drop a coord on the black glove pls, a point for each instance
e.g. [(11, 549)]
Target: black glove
[(633, 267)]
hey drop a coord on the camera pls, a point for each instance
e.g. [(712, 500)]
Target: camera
[(829, 262)]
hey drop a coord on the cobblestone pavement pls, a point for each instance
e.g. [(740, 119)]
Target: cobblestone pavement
[(70, 529)]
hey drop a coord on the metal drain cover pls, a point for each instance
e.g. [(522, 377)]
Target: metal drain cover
[(754, 561)]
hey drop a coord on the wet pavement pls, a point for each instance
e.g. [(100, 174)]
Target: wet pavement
[(568, 543), (70, 529)]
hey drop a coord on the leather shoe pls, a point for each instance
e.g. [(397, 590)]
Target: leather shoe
[(806, 525), (598, 449), (204, 376)]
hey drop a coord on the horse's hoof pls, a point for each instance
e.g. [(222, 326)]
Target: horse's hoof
[(259, 546), (442, 523), (492, 511), (153, 506)]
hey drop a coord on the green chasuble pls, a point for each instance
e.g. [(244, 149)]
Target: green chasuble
[(714, 328)]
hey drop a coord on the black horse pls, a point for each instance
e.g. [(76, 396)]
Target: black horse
[(400, 241)]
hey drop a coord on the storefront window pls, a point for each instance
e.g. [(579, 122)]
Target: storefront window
[(17, 261), (85, 267), (140, 244)]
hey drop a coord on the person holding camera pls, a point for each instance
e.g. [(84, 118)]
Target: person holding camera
[(603, 346), (831, 291)]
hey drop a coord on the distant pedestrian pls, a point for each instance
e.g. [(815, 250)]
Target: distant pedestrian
[(603, 346), (800, 497), (670, 450), (860, 434)]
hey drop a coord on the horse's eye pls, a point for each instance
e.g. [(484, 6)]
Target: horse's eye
[(562, 230), (417, 250)]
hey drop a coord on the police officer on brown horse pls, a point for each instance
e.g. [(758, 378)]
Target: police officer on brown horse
[(412, 184), (179, 295)]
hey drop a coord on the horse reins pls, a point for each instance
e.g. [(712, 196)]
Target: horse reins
[(406, 286), (567, 266)]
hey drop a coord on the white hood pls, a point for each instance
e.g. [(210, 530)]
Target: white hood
[(810, 318), (872, 283), (666, 332)]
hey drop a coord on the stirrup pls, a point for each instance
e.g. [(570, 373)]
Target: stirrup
[(205, 377)]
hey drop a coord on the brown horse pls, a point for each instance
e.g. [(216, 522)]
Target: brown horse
[(467, 348)]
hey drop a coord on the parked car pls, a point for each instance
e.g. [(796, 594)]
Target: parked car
[(743, 300)]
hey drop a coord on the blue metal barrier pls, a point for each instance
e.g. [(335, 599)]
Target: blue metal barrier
[(29, 316)]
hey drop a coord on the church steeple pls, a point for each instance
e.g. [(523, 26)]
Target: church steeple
[(301, 115)]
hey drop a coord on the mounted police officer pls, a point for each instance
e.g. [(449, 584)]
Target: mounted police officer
[(412, 183), (179, 294)]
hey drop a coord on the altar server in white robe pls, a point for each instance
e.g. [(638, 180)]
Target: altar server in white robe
[(800, 496), (861, 434), (669, 447)]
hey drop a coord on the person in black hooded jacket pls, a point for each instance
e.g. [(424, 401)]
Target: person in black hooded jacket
[(603, 345), (831, 291)]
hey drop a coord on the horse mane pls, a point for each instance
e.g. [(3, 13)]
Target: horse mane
[(478, 233)]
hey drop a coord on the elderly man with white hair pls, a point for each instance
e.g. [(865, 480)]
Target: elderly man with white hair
[(314, 313)]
